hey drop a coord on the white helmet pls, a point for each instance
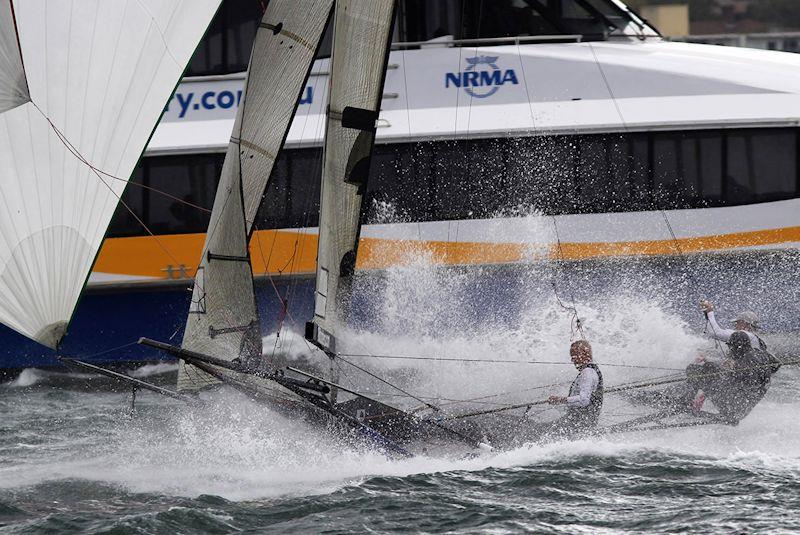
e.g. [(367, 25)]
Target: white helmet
[(749, 317)]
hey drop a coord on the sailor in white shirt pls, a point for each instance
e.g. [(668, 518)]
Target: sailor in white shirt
[(746, 321), (585, 398)]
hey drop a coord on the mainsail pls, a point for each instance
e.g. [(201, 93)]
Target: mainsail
[(82, 86), (223, 319), (362, 34)]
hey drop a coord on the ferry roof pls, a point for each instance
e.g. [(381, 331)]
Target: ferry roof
[(442, 91)]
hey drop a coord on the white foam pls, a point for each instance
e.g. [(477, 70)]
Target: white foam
[(241, 450), (27, 377), (149, 370)]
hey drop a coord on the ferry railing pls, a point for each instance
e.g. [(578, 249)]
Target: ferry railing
[(576, 38)]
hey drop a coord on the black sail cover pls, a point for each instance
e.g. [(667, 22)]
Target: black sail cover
[(362, 35), (223, 318)]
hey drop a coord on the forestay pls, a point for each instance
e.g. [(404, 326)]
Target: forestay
[(223, 318), (362, 34), (99, 74)]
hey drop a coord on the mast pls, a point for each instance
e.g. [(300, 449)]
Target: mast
[(82, 87), (362, 35), (223, 316)]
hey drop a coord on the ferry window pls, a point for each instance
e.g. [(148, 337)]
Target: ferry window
[(630, 188), (709, 166), (469, 179), (188, 180), (292, 196), (505, 18), (558, 167), (229, 39), (276, 207), (306, 172), (521, 186), (326, 45), (582, 17), (124, 224), (536, 169), (594, 175), (400, 183), (449, 175), (208, 58), (242, 20), (609, 13), (676, 182), (496, 184), (762, 165), (422, 20)]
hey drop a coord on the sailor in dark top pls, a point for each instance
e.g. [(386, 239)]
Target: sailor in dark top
[(746, 321), (736, 384), (585, 398)]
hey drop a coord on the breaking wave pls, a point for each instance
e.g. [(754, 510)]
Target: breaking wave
[(27, 377)]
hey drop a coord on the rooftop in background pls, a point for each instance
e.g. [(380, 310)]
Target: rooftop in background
[(729, 16), (781, 41)]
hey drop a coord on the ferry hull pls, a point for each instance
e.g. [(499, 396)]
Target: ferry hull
[(110, 320)]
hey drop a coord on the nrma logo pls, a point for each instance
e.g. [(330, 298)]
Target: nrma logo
[(482, 78)]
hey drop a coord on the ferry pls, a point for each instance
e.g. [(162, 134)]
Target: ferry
[(574, 111)]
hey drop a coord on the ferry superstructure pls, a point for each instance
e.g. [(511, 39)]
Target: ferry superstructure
[(575, 110)]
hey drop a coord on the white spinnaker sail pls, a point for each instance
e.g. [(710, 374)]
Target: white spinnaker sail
[(99, 73), (362, 34), (223, 319), (13, 87)]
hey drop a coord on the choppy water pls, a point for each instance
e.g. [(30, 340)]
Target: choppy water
[(74, 461)]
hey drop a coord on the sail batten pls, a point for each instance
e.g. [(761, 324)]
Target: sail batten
[(223, 320), (82, 86), (362, 34)]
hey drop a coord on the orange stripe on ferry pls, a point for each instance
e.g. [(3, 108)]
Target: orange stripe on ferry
[(287, 252)]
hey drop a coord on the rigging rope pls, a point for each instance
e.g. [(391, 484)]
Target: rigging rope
[(417, 398), (105, 351), (495, 361), (575, 322)]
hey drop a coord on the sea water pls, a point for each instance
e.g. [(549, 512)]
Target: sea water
[(74, 459)]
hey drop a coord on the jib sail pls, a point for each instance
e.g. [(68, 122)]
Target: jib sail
[(362, 34), (223, 319)]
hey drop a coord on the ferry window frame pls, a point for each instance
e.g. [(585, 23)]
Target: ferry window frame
[(409, 182)]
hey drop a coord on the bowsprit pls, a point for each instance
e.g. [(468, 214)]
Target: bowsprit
[(482, 77)]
